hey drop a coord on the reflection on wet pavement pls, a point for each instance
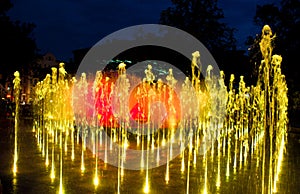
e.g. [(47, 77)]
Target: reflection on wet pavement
[(34, 177)]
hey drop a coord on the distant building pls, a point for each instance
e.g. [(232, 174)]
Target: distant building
[(3, 92), (30, 76), (47, 61), (37, 72)]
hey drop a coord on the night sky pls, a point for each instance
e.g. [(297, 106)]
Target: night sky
[(66, 25)]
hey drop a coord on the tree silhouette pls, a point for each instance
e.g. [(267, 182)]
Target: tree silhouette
[(285, 23), (202, 19), (17, 46)]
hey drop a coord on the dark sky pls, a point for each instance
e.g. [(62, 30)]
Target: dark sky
[(66, 25)]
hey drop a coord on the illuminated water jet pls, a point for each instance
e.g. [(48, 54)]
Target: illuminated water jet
[(17, 88), (225, 126)]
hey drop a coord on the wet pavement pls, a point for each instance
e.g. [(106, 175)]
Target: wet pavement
[(34, 177)]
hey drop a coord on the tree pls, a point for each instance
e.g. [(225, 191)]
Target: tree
[(285, 23), (17, 47), (201, 18)]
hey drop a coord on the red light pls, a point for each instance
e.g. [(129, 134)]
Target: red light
[(164, 104), (143, 94)]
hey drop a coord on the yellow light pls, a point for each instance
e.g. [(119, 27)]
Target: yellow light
[(182, 164), (279, 161), (47, 162), (146, 188), (126, 143), (82, 168), (61, 190), (96, 180), (163, 143), (72, 155), (82, 162), (52, 175), (15, 170), (167, 178)]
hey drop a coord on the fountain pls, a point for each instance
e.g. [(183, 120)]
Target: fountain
[(17, 89), (214, 128)]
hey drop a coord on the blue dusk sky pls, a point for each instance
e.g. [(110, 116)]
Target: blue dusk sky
[(66, 25)]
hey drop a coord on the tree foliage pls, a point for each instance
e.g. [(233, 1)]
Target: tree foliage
[(17, 47), (202, 19), (284, 20)]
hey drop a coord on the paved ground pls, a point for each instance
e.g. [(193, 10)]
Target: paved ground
[(33, 176)]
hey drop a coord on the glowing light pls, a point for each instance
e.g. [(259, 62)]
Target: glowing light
[(126, 143), (167, 176), (73, 154), (101, 114), (205, 178), (279, 162), (47, 162), (182, 163), (96, 180), (147, 187), (82, 168), (52, 174), (15, 169), (163, 143), (17, 88), (61, 189), (218, 181)]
